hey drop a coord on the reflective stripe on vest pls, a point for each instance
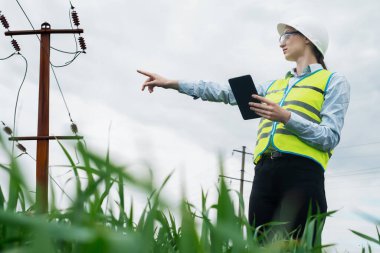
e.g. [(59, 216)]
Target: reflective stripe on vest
[(305, 99)]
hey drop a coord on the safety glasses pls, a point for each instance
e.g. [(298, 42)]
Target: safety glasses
[(285, 36)]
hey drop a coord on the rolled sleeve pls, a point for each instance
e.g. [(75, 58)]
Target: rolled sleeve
[(207, 91), (187, 87), (213, 91)]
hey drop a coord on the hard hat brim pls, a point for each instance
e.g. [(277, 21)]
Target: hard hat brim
[(281, 28), (311, 28)]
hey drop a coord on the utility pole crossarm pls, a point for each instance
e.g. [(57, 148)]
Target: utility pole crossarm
[(234, 178), (32, 138), (239, 151), (45, 29), (28, 32)]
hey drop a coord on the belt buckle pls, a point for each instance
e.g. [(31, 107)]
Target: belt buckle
[(275, 154)]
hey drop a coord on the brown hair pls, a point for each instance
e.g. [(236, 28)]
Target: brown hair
[(317, 53), (319, 56), (315, 50)]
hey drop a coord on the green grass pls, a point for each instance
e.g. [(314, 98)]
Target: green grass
[(87, 225)]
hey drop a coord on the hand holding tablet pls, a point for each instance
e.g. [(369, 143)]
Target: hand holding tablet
[(243, 88)]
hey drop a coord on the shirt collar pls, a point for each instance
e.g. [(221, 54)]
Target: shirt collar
[(309, 69)]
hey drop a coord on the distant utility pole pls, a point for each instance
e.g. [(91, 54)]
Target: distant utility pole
[(242, 180), (42, 163), (242, 173)]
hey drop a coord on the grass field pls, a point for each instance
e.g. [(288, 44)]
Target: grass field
[(88, 226)]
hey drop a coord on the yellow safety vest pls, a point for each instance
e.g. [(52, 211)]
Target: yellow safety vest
[(304, 98)]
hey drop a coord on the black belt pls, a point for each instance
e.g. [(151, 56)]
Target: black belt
[(275, 155)]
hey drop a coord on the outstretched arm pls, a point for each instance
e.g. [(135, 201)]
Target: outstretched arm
[(212, 91), (206, 90)]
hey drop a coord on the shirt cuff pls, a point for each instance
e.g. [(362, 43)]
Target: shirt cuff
[(295, 123), (186, 87)]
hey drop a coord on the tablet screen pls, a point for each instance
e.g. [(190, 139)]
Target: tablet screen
[(243, 88)]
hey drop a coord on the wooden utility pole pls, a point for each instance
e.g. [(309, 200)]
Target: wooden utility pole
[(42, 163)]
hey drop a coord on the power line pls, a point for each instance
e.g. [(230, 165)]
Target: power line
[(31, 157), (22, 9), (358, 145), (343, 171), (355, 186), (77, 53), (334, 176), (18, 96), (351, 156), (63, 191), (60, 90), (42, 172), (67, 63), (359, 172), (235, 178), (2, 59), (31, 24)]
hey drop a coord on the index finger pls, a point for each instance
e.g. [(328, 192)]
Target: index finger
[(145, 73), (263, 99)]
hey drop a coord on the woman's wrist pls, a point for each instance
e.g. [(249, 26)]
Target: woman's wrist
[(172, 84), (286, 118)]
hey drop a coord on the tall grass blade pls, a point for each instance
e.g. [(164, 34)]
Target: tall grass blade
[(367, 237)]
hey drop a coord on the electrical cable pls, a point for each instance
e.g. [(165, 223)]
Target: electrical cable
[(75, 39), (60, 90), (27, 17), (358, 145), (63, 51), (237, 179), (354, 187), (2, 59), (63, 191), (22, 9), (361, 172), (67, 63), (59, 50), (18, 96), (77, 53), (14, 119), (52, 65), (7, 129), (357, 173), (358, 155)]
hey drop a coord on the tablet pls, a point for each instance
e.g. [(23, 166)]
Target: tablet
[(243, 87)]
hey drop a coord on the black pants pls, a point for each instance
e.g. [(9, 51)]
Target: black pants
[(282, 190)]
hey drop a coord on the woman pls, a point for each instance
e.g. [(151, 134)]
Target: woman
[(302, 118)]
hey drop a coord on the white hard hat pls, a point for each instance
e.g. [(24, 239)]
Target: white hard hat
[(311, 28)]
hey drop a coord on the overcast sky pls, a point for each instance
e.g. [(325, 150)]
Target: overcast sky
[(196, 40)]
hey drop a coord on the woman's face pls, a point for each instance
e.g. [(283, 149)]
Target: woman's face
[(293, 44)]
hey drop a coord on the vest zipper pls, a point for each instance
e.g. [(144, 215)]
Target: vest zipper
[(287, 90), (282, 102)]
